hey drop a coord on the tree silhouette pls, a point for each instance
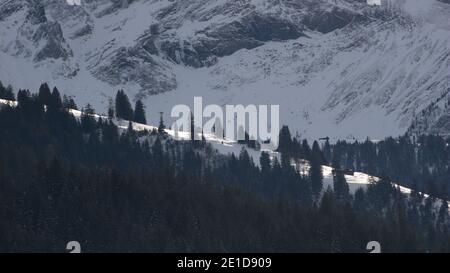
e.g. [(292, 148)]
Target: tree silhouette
[(123, 106), (139, 112)]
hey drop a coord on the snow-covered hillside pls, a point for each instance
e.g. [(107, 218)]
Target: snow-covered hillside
[(228, 147), (337, 68)]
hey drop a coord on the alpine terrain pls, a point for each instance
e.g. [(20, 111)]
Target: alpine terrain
[(338, 68)]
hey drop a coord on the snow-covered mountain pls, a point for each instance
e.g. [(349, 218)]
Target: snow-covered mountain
[(336, 67)]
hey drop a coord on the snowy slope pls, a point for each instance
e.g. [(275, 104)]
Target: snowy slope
[(336, 67), (228, 147)]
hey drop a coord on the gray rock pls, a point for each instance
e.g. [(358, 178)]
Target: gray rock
[(55, 46), (8, 8)]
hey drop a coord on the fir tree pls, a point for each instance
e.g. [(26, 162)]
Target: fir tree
[(203, 136), (45, 96), (162, 126), (111, 109), (139, 112), (157, 152), (317, 154), (307, 153), (69, 103), (284, 141), (2, 91), (285, 160), (6, 93), (340, 185), (55, 99), (264, 161), (316, 177), (23, 97), (123, 106), (443, 213), (327, 151), (87, 119)]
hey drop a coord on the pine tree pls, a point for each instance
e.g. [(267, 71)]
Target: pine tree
[(359, 200), (297, 149), (327, 203), (339, 183), (55, 99), (2, 91), (139, 112), (23, 98), (327, 151), (244, 159), (285, 141), (123, 106), (285, 160), (443, 213), (6, 93), (264, 161), (307, 153), (130, 131), (317, 154), (87, 119), (157, 152), (162, 126), (69, 103), (111, 109), (45, 96), (316, 177)]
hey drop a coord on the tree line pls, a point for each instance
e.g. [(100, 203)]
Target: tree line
[(115, 190), (123, 110)]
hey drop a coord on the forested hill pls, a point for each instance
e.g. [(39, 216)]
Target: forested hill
[(64, 179)]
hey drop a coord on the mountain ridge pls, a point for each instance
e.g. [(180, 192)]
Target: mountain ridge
[(343, 69)]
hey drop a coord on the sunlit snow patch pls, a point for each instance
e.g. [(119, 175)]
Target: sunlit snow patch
[(374, 2)]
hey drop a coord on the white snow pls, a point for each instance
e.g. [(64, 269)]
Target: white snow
[(362, 81)]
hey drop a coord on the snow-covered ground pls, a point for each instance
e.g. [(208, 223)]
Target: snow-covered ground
[(227, 147)]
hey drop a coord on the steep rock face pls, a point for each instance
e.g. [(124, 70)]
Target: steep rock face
[(221, 28), (38, 37), (198, 33), (251, 31), (76, 20), (54, 45), (194, 33), (433, 119), (8, 8), (138, 66), (36, 12)]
